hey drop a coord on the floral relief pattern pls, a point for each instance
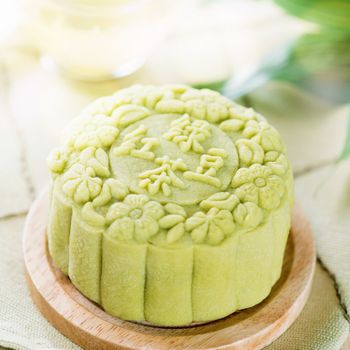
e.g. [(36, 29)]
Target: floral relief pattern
[(238, 117), (84, 170), (220, 200), (57, 160), (129, 114), (248, 215), (105, 105), (245, 214), (264, 134), (150, 96), (135, 218), (91, 216), (211, 227), (259, 185), (206, 104), (95, 131), (173, 221), (249, 152), (241, 113), (112, 188), (81, 183), (97, 159), (278, 162)]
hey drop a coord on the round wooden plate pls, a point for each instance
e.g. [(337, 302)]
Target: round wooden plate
[(89, 326)]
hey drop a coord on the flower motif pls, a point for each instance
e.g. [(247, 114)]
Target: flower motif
[(211, 227), (248, 214), (96, 131), (220, 200), (259, 185), (249, 152), (277, 162), (206, 104), (81, 184), (97, 159), (174, 222), (136, 217), (264, 134), (57, 160)]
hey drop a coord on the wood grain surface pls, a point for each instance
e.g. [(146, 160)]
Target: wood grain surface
[(89, 326)]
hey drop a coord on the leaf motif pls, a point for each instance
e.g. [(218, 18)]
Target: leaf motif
[(118, 189), (215, 234), (248, 214), (104, 197), (249, 152), (220, 200), (172, 208), (170, 220), (97, 159), (195, 220), (199, 233), (232, 125), (129, 114), (90, 215), (175, 233)]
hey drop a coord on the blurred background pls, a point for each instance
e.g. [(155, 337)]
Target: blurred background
[(290, 60)]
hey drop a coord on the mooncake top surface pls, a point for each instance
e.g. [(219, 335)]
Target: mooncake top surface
[(171, 165)]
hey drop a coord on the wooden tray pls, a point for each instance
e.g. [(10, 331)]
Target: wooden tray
[(89, 326)]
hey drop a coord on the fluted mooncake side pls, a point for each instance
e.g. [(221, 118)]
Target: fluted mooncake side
[(170, 205)]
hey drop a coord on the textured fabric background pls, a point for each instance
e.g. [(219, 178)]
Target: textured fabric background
[(35, 105)]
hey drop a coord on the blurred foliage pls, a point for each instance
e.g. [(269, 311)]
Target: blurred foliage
[(318, 62), (331, 14), (325, 56)]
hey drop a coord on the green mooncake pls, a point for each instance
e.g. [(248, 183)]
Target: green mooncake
[(170, 205)]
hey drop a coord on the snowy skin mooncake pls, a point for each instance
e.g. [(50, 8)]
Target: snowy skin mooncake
[(170, 205)]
